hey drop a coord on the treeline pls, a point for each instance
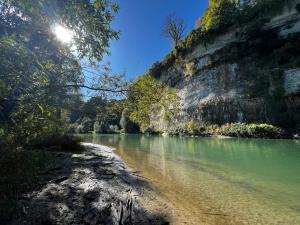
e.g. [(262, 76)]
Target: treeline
[(100, 115)]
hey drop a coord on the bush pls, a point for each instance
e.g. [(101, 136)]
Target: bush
[(192, 128), (250, 130), (232, 130), (87, 125), (84, 126), (220, 14), (72, 128)]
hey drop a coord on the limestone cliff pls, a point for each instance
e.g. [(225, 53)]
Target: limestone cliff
[(233, 80)]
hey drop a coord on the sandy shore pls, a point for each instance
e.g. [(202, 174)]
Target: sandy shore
[(95, 187)]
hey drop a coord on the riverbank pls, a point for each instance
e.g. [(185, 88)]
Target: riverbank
[(230, 130), (93, 187)]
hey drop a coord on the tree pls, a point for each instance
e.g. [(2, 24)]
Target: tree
[(40, 76), (174, 28), (144, 93), (126, 124)]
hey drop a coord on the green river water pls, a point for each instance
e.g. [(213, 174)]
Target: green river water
[(253, 181)]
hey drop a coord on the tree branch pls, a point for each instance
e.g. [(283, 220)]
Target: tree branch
[(95, 88)]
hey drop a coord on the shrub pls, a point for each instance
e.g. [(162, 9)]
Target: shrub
[(250, 130), (72, 128), (156, 69), (87, 125), (192, 128), (220, 14), (232, 130)]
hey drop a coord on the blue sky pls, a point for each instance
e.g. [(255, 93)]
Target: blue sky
[(140, 23)]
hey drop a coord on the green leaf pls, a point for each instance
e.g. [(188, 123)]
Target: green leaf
[(8, 41), (41, 108)]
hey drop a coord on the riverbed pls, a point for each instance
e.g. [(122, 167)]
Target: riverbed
[(243, 181)]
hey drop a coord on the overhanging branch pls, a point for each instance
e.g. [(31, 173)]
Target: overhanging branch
[(96, 88)]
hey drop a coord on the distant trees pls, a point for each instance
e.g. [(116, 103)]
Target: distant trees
[(97, 114), (174, 28)]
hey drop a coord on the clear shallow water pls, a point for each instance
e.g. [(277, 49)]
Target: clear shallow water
[(252, 181)]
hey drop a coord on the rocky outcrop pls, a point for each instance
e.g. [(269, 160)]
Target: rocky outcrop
[(229, 80)]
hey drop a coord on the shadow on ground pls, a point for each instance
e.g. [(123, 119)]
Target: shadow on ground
[(94, 188)]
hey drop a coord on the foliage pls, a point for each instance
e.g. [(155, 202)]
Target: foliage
[(97, 114), (192, 128), (146, 96), (126, 124), (86, 126), (37, 70), (221, 16), (143, 94), (250, 130)]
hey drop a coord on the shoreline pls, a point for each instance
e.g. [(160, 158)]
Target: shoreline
[(213, 136), (92, 187)]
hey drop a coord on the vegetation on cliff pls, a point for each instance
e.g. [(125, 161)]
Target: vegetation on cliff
[(266, 54), (220, 17)]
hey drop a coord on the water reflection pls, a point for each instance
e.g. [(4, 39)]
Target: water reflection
[(246, 176)]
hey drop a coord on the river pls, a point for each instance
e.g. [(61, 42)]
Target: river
[(249, 181)]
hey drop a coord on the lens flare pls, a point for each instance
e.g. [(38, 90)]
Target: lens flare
[(64, 35)]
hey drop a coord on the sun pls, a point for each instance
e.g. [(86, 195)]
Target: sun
[(64, 35)]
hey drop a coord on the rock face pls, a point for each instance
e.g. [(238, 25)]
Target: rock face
[(228, 80)]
